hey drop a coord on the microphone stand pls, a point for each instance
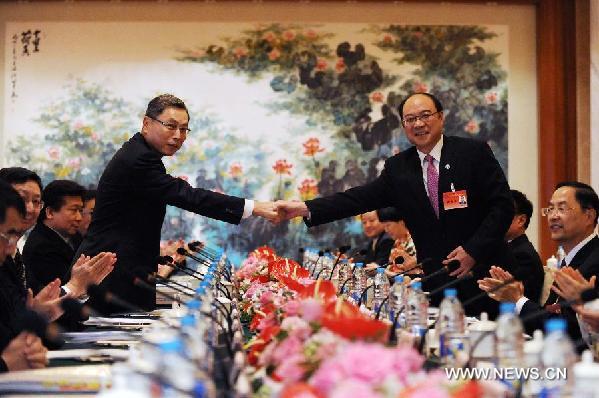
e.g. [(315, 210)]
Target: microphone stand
[(363, 295)]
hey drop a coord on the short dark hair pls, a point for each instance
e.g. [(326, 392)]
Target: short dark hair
[(158, 104), (388, 214), (55, 193), (585, 195), (438, 104), (89, 194), (522, 206), (20, 175), (10, 198)]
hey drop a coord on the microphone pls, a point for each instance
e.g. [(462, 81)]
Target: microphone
[(199, 246), (342, 251), (378, 312), (363, 294), (137, 281), (320, 254), (449, 284), (201, 252), (419, 265), (185, 253), (443, 270)]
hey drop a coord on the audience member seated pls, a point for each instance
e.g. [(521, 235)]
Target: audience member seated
[(380, 244), (403, 245), (89, 203), (29, 186), (528, 267), (49, 249), (572, 218)]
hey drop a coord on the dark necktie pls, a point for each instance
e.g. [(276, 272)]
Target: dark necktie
[(20, 269), (432, 183)]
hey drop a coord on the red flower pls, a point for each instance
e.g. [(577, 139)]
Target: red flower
[(308, 189), (281, 166), (358, 328), (387, 39), (324, 290), (491, 98), (311, 34), (472, 127), (268, 36), (419, 87), (300, 390), (340, 65), (289, 35), (312, 146), (274, 54), (240, 52), (321, 64), (235, 170)]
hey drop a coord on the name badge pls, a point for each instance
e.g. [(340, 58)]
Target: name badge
[(455, 200)]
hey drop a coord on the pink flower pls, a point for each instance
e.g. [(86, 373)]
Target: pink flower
[(274, 54), (266, 297), (419, 87), (311, 309), (268, 36), (54, 153), (289, 347), (340, 65), (377, 96), (290, 370), (355, 360), (430, 391), (94, 136), (472, 127), (491, 98), (355, 389), (310, 34), (405, 361), (387, 39), (291, 308), (288, 35)]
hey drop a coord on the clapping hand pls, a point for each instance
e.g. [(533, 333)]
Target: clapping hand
[(87, 271), (571, 283), (511, 292)]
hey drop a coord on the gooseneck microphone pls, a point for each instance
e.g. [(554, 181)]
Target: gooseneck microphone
[(450, 267), (342, 251), (185, 253)]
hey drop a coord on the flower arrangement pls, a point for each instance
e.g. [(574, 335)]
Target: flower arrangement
[(307, 342)]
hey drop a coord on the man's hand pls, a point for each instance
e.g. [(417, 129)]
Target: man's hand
[(25, 351), (47, 301), (466, 261), (571, 283), (590, 317), (87, 271), (266, 210), (511, 292), (289, 209)]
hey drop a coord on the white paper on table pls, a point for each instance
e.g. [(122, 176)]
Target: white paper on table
[(108, 335), (83, 353), (108, 321)]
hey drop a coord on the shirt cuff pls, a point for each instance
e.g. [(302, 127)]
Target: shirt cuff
[(66, 291), (520, 303), (248, 208)]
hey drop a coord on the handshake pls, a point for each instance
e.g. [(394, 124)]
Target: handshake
[(281, 210)]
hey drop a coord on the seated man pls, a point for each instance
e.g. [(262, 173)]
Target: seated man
[(380, 244), (29, 186), (528, 267), (403, 244), (49, 250), (572, 217), (89, 203)]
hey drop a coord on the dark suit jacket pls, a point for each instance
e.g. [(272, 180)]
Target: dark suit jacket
[(587, 262), (480, 228), (528, 267), (381, 251), (133, 193), (47, 256)]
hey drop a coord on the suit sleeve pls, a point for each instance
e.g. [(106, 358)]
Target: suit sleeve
[(354, 201), (152, 180), (497, 204), (44, 265), (382, 251)]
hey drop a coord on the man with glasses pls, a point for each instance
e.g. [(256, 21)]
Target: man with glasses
[(450, 192), (572, 218), (133, 193)]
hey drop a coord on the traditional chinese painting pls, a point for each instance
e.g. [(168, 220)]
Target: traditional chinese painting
[(277, 110)]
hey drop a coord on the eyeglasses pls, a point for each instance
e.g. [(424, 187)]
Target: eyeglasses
[(9, 238), (560, 211), (172, 127), (37, 203), (425, 118)]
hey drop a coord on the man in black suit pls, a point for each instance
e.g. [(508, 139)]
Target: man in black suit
[(528, 267), (49, 249), (450, 191), (132, 196), (380, 244), (572, 218)]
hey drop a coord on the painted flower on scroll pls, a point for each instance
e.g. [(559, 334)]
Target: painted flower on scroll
[(274, 54), (240, 52), (472, 127), (321, 64), (308, 189), (310, 34), (491, 97), (288, 35), (269, 36), (54, 153), (420, 87), (340, 66), (282, 166), (312, 146), (377, 96), (235, 170)]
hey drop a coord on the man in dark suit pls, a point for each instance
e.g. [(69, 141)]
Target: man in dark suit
[(380, 244), (528, 267), (49, 249), (450, 191), (572, 218), (132, 196)]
